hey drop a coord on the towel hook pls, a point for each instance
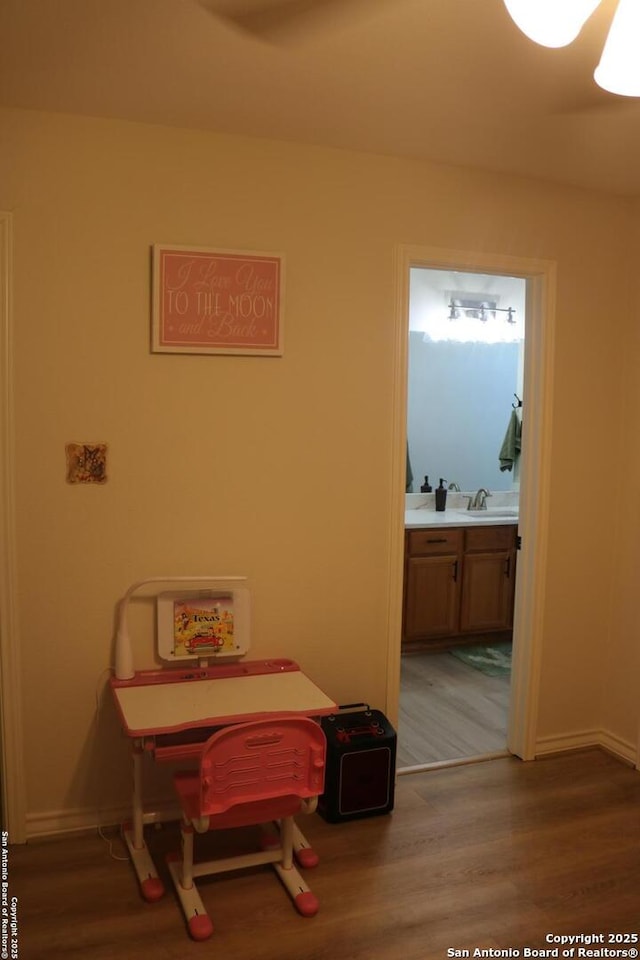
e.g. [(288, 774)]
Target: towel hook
[(518, 402)]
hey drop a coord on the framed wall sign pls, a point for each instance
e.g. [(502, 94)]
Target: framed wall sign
[(217, 301)]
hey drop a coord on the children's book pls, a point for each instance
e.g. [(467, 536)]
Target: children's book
[(203, 624)]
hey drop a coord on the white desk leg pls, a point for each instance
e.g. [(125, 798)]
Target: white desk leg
[(304, 854), (151, 885)]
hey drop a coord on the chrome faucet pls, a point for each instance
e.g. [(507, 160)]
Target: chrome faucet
[(479, 501), (454, 486)]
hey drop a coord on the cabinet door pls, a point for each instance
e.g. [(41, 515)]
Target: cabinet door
[(487, 591), (431, 597)]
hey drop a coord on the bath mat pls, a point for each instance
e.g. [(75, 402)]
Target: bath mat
[(492, 659)]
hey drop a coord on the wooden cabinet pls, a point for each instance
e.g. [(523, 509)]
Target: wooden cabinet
[(459, 581), (489, 579), (432, 583)]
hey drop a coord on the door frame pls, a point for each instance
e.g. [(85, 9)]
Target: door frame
[(535, 473), (11, 738)]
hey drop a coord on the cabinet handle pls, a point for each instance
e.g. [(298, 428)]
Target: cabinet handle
[(507, 567), (455, 571), (437, 540)]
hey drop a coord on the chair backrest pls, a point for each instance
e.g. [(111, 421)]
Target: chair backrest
[(282, 755)]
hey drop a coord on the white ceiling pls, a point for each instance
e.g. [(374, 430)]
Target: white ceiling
[(446, 80)]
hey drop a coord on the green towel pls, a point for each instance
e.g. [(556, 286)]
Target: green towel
[(409, 481), (510, 448)]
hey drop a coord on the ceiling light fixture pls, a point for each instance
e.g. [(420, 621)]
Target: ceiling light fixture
[(619, 69), (548, 22), (554, 24)]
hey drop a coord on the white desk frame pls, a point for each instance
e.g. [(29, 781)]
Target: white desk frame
[(154, 705)]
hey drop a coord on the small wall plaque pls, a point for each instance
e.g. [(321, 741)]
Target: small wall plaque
[(86, 462)]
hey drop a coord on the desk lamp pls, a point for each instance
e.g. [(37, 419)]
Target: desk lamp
[(124, 657)]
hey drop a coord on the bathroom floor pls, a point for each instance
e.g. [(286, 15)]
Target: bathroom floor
[(449, 710)]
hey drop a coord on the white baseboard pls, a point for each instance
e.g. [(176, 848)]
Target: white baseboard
[(51, 823), (54, 822), (622, 749)]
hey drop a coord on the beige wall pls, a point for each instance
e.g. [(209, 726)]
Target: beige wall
[(245, 465), (621, 659)]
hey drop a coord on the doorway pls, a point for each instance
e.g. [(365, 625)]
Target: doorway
[(539, 277), (12, 781), (465, 381)]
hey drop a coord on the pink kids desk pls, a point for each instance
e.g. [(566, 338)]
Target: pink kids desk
[(169, 714)]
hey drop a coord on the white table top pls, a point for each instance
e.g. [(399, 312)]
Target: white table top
[(164, 708)]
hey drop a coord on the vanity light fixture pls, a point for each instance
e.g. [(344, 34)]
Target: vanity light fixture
[(556, 24), (482, 310)]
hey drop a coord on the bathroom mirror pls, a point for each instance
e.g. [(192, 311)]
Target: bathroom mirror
[(465, 376)]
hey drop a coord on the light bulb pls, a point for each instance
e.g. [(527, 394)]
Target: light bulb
[(552, 23), (619, 67)]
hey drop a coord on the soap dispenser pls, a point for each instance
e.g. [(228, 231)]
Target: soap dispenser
[(426, 486), (441, 496)]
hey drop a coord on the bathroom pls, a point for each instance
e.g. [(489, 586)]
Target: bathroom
[(464, 403)]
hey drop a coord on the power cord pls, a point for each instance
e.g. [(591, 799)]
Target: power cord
[(110, 841)]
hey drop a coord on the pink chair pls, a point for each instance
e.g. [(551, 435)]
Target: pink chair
[(251, 773)]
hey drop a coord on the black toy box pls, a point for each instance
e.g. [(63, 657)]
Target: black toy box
[(361, 764)]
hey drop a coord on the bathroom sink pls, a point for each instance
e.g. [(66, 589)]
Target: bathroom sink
[(497, 513)]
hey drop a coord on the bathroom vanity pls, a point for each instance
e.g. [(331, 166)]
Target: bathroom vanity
[(459, 578)]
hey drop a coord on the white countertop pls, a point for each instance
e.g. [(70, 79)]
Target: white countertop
[(457, 518), (502, 509)]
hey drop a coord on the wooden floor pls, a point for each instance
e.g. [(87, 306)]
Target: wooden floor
[(449, 710), (494, 854)]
